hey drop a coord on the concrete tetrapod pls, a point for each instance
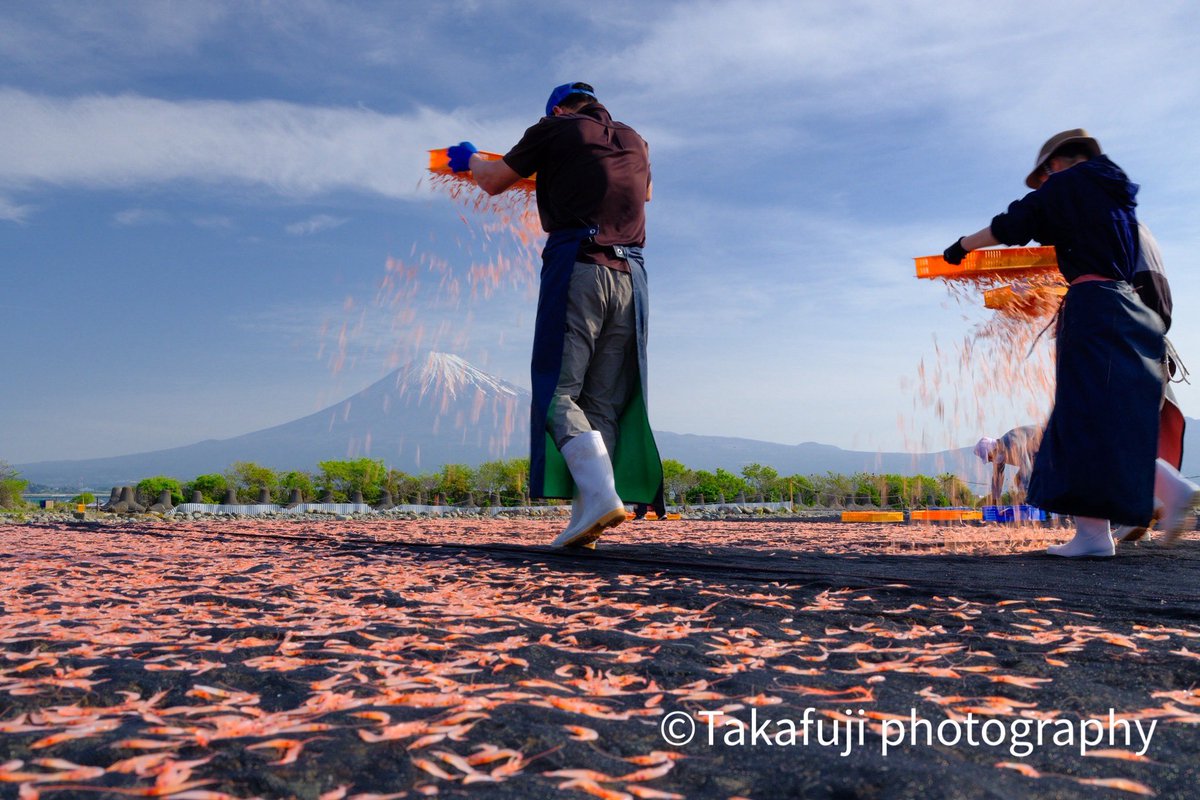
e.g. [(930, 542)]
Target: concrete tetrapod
[(385, 501), (163, 504), (127, 504), (296, 498)]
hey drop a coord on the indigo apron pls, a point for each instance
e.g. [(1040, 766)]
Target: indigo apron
[(1098, 452), (636, 463)]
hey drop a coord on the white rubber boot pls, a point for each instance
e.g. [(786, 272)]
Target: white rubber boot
[(1092, 540), (598, 506), (1179, 498), (576, 513), (1133, 533)]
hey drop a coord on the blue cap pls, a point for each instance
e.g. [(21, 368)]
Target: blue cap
[(561, 93)]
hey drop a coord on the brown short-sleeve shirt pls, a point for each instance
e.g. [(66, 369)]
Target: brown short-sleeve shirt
[(590, 171)]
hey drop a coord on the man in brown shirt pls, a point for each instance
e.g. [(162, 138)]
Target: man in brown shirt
[(589, 354)]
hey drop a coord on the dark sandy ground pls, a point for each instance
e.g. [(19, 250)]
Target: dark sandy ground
[(208, 659)]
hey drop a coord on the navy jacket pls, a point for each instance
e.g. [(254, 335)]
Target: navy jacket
[(1087, 213)]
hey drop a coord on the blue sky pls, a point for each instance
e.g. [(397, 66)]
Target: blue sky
[(197, 198)]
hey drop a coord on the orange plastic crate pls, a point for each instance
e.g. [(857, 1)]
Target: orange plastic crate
[(990, 261), (439, 162), (1005, 297), (944, 515), (872, 516)]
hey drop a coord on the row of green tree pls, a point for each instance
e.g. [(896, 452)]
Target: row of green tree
[(505, 483), (832, 490)]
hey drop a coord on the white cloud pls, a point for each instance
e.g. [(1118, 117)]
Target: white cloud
[(12, 212), (141, 216), (120, 141), (214, 222), (141, 29), (67, 42), (784, 70), (315, 224)]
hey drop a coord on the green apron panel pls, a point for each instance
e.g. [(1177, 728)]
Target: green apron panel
[(636, 464)]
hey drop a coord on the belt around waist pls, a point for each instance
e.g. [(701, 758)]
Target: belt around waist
[(1090, 277), (620, 251)]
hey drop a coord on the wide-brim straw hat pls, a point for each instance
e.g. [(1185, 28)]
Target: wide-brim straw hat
[(1053, 143)]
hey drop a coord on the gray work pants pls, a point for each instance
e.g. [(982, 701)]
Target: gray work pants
[(599, 364)]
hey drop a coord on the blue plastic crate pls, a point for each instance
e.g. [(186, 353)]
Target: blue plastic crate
[(1021, 513), (1029, 514)]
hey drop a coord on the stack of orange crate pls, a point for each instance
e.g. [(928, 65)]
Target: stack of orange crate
[(1009, 263)]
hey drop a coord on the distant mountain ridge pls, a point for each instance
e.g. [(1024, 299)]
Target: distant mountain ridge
[(442, 410), (731, 453)]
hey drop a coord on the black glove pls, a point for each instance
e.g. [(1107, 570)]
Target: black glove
[(955, 253)]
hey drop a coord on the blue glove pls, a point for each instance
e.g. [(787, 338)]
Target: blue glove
[(460, 156)]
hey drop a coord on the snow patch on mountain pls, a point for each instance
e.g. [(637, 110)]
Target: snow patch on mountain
[(451, 377)]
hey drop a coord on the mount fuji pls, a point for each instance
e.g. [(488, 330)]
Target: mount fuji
[(434, 411)]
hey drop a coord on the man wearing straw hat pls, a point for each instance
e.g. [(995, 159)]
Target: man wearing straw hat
[(591, 437), (1097, 461)]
